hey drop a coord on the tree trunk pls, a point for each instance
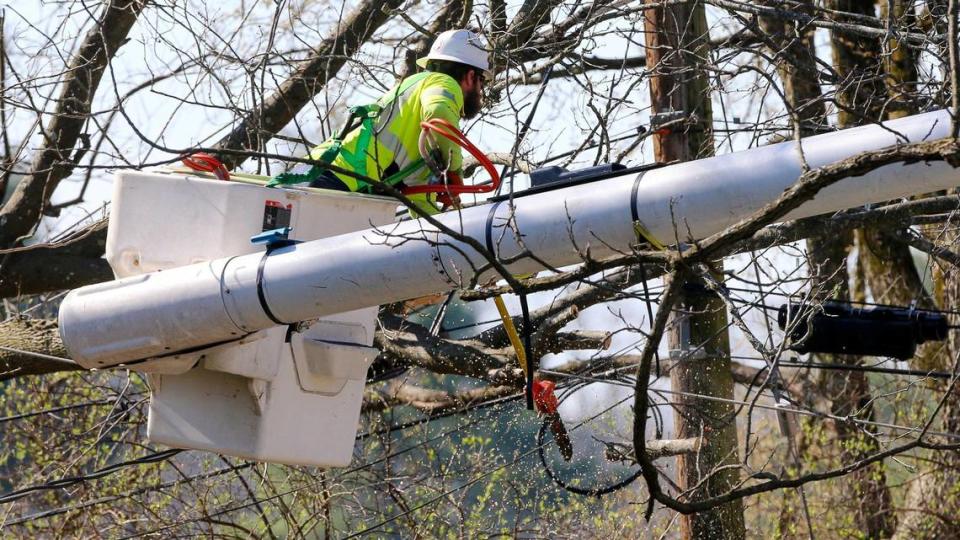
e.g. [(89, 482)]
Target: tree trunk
[(67, 265), (888, 264), (900, 62), (31, 347), (59, 151), (677, 41), (931, 503), (855, 59), (861, 97), (795, 56)]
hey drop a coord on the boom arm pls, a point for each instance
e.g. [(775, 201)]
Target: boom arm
[(195, 306)]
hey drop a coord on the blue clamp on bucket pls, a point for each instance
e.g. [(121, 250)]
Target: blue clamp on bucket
[(274, 238)]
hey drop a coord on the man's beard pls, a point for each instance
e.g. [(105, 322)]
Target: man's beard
[(472, 104)]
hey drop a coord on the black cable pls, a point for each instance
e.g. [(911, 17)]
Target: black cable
[(470, 325), (868, 369), (527, 350), (73, 480), (57, 409), (139, 491), (594, 492), (842, 301), (760, 305), (386, 375), (437, 325), (646, 295), (526, 125)]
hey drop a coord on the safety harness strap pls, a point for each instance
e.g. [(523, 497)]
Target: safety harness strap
[(357, 160), (394, 179)]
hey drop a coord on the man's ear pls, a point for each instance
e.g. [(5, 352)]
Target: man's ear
[(471, 79)]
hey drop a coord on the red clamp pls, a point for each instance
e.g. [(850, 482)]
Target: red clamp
[(203, 162), (546, 402)]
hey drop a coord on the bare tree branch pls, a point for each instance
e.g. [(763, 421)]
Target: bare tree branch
[(56, 159), (309, 78)]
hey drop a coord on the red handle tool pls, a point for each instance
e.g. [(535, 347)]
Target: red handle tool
[(546, 402)]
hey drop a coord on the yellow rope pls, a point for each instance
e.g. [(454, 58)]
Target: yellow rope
[(511, 332), (644, 234)]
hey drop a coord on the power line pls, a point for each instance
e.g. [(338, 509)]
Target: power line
[(73, 480), (814, 413), (162, 456), (647, 296), (627, 382), (40, 355), (339, 477), (859, 367), (430, 418), (140, 491), (22, 416)]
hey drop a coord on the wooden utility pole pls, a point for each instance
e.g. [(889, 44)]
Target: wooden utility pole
[(677, 43)]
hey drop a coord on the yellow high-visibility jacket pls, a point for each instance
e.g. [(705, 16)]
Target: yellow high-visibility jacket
[(396, 132)]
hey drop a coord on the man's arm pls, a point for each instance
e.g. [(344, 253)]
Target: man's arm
[(442, 98)]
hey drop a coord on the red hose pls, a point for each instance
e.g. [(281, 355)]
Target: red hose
[(206, 163), (447, 130)]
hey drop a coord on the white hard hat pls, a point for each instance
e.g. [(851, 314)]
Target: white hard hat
[(461, 46)]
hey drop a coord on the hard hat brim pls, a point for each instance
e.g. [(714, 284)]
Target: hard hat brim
[(422, 62)]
